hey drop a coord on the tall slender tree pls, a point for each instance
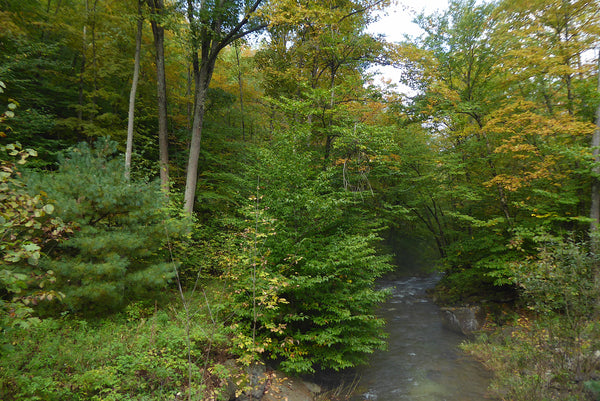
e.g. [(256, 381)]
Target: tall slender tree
[(134, 83), (157, 7)]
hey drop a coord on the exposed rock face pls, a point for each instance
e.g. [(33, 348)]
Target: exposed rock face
[(268, 385), (290, 389), (464, 320), (258, 378)]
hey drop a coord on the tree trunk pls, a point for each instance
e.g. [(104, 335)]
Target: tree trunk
[(134, 83), (240, 85), (158, 32), (595, 208), (203, 81), (189, 103)]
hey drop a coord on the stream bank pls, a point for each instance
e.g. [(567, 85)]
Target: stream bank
[(423, 360)]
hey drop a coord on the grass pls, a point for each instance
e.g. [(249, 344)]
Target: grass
[(140, 354)]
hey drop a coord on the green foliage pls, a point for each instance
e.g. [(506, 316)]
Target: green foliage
[(116, 253), (561, 281), (304, 290), (552, 353), (482, 170), (488, 156), (137, 355), (33, 127), (539, 360), (594, 387), (27, 229)]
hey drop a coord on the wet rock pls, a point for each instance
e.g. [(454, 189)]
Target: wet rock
[(464, 320)]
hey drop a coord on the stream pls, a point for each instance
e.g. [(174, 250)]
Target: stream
[(423, 361)]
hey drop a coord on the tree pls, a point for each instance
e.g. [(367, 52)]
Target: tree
[(454, 68), (554, 36), (134, 83), (157, 8), (114, 255), (320, 61), (303, 290), (213, 27)]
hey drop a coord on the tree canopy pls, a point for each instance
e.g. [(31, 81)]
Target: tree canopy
[(288, 174)]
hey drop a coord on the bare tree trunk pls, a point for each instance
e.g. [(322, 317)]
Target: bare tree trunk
[(595, 208), (237, 57), (158, 31), (192, 167), (82, 70), (134, 83)]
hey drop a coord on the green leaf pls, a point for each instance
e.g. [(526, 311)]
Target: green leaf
[(31, 247)]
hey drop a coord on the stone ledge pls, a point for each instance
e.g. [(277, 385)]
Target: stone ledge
[(464, 320)]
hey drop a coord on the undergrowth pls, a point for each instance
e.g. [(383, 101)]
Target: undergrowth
[(140, 354), (551, 348), (532, 361)]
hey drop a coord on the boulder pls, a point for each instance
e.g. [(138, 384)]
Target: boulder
[(267, 385), (284, 388), (257, 378), (464, 319)]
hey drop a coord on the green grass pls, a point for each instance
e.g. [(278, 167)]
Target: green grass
[(140, 354)]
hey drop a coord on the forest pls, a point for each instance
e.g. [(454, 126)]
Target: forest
[(187, 183)]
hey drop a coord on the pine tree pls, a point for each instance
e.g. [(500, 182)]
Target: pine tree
[(114, 255)]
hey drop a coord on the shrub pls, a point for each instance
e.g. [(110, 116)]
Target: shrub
[(303, 289), (552, 349), (27, 229), (137, 355)]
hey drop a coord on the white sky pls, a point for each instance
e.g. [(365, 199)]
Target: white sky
[(397, 22)]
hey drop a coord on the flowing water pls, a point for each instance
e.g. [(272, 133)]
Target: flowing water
[(422, 362)]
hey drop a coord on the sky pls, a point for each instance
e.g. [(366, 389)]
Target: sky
[(397, 22)]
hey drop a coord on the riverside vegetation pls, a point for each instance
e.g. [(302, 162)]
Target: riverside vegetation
[(240, 203)]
